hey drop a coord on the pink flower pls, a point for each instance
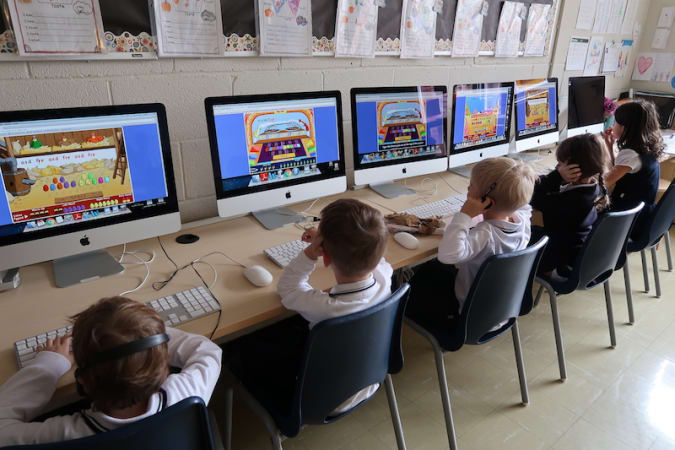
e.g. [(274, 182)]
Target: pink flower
[(610, 106)]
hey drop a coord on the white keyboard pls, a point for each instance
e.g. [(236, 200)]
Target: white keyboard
[(286, 252), (443, 208), (175, 309)]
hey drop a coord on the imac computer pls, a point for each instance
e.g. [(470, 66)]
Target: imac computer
[(586, 111), (536, 108), (398, 133), (273, 150), (481, 122), (79, 180), (665, 105)]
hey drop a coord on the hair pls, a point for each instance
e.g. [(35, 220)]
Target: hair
[(641, 128), (513, 182), (590, 154), (354, 236), (127, 381)]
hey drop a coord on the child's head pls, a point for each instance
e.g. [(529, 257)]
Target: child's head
[(127, 381), (589, 153), (637, 128), (354, 236), (507, 182)]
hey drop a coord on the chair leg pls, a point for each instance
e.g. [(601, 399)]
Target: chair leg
[(536, 299), (276, 442), (629, 294), (229, 399), (445, 397), (657, 281), (610, 314), (524, 394), (645, 273), (669, 256), (558, 335), (393, 409)]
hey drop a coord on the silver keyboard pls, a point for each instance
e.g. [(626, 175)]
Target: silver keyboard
[(283, 254), (175, 309), (446, 207)]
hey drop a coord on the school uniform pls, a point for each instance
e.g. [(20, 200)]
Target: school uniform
[(24, 396)]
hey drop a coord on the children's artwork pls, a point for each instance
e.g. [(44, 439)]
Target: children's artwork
[(356, 28), (610, 61), (661, 36), (623, 58), (188, 27), (576, 53), (654, 67), (418, 29), (586, 14), (57, 27), (537, 27), (468, 27), (602, 13), (284, 27), (629, 16), (616, 13), (594, 56), (666, 17), (508, 31)]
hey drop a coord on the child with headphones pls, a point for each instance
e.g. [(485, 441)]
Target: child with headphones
[(122, 351)]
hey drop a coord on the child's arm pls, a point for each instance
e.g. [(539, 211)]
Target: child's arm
[(544, 186), (199, 359), (460, 244), (296, 292)]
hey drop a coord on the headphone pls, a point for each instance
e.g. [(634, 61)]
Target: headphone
[(119, 352)]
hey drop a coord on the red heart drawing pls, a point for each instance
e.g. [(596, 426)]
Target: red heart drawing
[(644, 63)]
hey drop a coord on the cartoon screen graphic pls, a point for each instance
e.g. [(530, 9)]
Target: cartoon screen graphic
[(401, 124), (481, 116), (537, 109), (50, 174)]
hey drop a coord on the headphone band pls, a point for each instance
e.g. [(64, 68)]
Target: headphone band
[(127, 349)]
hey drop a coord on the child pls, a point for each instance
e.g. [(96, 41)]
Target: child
[(569, 199), (500, 189), (635, 173), (351, 238), (122, 390)]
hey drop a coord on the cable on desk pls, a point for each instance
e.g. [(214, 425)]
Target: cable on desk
[(450, 186), (220, 309), (146, 263), (381, 205)]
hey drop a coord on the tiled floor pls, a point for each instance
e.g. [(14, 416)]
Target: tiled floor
[(621, 398)]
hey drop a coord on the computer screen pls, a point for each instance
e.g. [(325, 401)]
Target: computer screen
[(665, 105), (482, 115), (586, 101), (70, 173), (396, 125), (536, 107), (267, 142)]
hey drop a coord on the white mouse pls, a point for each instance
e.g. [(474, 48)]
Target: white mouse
[(407, 240), (258, 276)]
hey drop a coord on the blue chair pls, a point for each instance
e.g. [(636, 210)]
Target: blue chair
[(594, 265), (500, 293), (341, 357), (182, 426)]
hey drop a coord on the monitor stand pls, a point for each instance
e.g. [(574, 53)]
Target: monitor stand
[(85, 267), (464, 171), (277, 217), (391, 190), (525, 157)]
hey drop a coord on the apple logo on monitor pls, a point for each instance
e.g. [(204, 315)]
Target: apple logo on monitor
[(84, 241), (288, 194)]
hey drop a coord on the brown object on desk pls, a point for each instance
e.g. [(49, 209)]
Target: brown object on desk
[(423, 226)]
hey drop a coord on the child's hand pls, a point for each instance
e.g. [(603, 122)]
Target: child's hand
[(315, 249), (60, 345), (308, 235), (473, 207), (610, 139), (569, 172)]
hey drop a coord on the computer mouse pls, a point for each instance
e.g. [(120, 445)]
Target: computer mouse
[(407, 240), (258, 276)]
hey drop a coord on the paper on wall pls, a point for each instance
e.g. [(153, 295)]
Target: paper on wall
[(661, 36), (602, 13), (610, 61), (654, 67), (508, 30), (284, 27), (468, 27), (617, 11), (57, 27), (636, 31), (576, 53), (188, 27), (356, 28), (666, 17), (418, 29), (629, 16), (623, 58), (594, 55), (537, 27), (586, 14)]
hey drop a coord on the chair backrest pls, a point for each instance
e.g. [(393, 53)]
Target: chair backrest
[(663, 215), (183, 426), (498, 292), (346, 354), (600, 253)]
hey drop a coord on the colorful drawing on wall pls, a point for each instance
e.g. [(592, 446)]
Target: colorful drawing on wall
[(480, 117)]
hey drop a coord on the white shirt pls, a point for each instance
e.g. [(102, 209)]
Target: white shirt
[(629, 158), (316, 305), (25, 394), (470, 247)]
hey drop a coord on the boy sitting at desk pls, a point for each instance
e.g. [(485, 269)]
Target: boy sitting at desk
[(351, 238), (123, 352)]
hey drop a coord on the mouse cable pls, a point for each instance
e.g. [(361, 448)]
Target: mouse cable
[(158, 285), (141, 261), (451, 187), (220, 309)]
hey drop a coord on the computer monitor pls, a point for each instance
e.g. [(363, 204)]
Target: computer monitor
[(79, 180), (273, 150), (481, 122), (586, 110), (665, 105), (398, 133), (536, 103)]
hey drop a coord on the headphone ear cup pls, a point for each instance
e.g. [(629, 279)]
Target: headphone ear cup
[(78, 386)]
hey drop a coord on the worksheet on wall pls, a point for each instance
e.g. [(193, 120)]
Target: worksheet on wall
[(508, 30), (661, 36), (284, 27), (602, 13), (356, 28), (53, 27), (576, 53), (596, 48), (616, 13), (537, 28), (188, 27), (468, 27), (666, 17), (586, 14), (418, 29), (610, 61), (623, 58), (654, 67), (629, 16)]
